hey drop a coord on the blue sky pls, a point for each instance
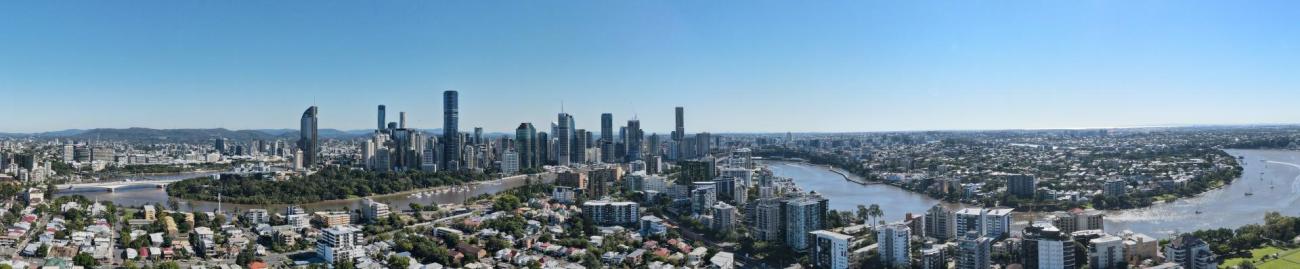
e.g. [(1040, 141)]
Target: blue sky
[(735, 65)]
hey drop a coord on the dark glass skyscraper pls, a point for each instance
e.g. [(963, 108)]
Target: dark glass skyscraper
[(564, 139), (478, 135), (450, 129), (607, 138), (308, 141), (633, 142), (680, 133), (526, 145), (381, 124)]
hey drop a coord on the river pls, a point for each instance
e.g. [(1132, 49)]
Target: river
[(844, 195), (148, 195), (1272, 175)]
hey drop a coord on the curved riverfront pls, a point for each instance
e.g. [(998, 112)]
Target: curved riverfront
[(845, 195), (1273, 176)]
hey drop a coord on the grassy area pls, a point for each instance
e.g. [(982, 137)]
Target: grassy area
[(1289, 259), (1255, 255), (1286, 259)]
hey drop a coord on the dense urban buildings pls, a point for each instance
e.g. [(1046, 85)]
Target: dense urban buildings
[(626, 188)]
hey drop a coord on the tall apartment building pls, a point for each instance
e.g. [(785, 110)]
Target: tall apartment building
[(339, 243), (893, 242), (830, 250), (611, 213)]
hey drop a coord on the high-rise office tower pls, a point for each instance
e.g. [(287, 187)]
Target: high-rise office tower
[(564, 139), (478, 135), (368, 154), (580, 146), (607, 138), (220, 144), (680, 132), (307, 137), (543, 149), (633, 142), (652, 145), (382, 112), (401, 119), (450, 130), (526, 145)]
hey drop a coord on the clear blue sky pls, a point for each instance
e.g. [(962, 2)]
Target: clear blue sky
[(735, 65)]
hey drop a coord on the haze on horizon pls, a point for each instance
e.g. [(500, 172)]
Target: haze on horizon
[(737, 66)]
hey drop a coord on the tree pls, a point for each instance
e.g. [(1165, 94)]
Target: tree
[(875, 212), (245, 256), (395, 261), (169, 265), (506, 202), (345, 264), (863, 213), (85, 260)]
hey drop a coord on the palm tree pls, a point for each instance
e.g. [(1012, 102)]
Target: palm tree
[(875, 212), (863, 213)]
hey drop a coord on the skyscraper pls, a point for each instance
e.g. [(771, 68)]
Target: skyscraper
[(450, 131), (607, 138), (478, 135), (526, 145), (308, 140), (382, 112), (633, 142), (564, 139), (680, 132), (579, 146), (401, 120)]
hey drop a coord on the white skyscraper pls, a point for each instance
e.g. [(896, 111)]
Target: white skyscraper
[(509, 162)]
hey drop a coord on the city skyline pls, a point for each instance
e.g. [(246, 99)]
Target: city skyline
[(833, 67)]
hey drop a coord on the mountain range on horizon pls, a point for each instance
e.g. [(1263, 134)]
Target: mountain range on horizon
[(194, 135)]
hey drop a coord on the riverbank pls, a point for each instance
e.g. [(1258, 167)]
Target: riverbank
[(1212, 181), (845, 195)]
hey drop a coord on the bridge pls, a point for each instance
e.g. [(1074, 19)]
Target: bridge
[(114, 185)]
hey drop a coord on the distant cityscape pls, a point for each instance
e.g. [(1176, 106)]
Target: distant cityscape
[(401, 197)]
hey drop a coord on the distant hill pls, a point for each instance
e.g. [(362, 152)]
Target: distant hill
[(203, 135), (167, 135), (186, 135)]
